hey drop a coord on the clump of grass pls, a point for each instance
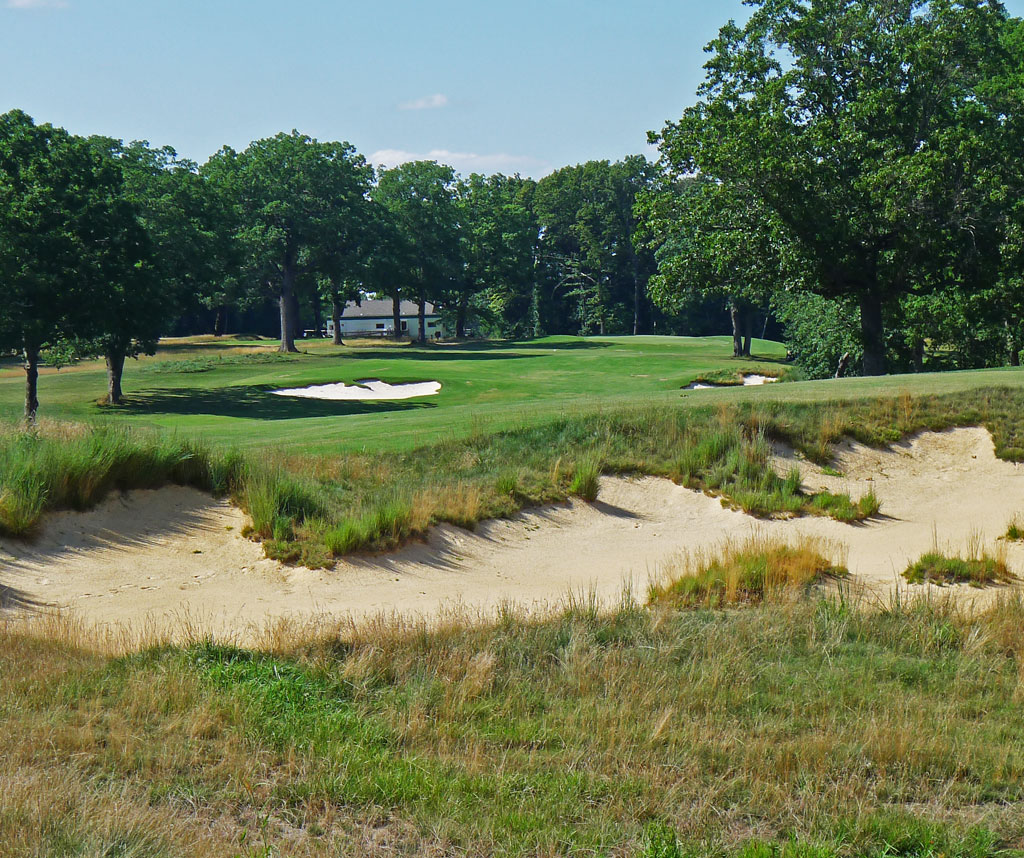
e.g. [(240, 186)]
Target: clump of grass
[(843, 508), (277, 501), (586, 479), (975, 567), (937, 568), (1015, 530), (749, 572), (387, 525)]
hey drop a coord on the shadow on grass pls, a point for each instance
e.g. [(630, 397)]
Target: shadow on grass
[(439, 353), (513, 345), (253, 403)]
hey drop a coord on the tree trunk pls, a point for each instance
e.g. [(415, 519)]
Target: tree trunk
[(737, 331), (288, 305), (460, 318), (918, 356), (115, 369), (872, 329), (31, 355), (396, 311), (220, 321), (1013, 344), (296, 317), (336, 320), (423, 320), (636, 294), (748, 331)]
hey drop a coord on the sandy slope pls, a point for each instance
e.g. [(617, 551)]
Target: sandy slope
[(176, 556)]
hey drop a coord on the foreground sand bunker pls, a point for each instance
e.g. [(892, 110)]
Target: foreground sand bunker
[(365, 389), (175, 555)]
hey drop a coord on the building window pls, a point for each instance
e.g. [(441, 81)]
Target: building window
[(380, 326), (405, 326)]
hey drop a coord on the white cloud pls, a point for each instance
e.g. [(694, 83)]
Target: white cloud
[(466, 162), (428, 102), (36, 4)]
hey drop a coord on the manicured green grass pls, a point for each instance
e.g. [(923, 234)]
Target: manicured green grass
[(220, 391), (786, 728)]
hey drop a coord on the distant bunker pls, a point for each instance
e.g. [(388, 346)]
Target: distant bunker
[(748, 380), (364, 389)]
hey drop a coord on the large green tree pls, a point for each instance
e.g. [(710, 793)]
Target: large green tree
[(70, 242), (595, 275), (497, 243), (185, 231), (868, 132), (294, 196), (419, 199), (711, 242)]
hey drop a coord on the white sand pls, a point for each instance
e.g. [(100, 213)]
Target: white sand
[(368, 388), (748, 381), (160, 557)]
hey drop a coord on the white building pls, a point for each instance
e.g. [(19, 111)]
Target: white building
[(376, 319)]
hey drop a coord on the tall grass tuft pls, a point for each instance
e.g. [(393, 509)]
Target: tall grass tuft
[(937, 568), (586, 479), (752, 571)]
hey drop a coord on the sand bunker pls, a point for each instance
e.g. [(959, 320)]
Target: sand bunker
[(367, 388), (161, 558), (748, 380)]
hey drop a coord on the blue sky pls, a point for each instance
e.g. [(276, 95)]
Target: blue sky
[(483, 85)]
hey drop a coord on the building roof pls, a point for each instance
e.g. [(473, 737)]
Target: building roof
[(383, 310)]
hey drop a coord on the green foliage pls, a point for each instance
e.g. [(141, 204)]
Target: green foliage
[(838, 171), (71, 244), (596, 278), (819, 331), (293, 198)]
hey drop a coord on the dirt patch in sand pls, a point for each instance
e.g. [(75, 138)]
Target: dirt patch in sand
[(176, 558)]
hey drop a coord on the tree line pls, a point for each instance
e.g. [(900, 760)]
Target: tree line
[(107, 246), (859, 165)]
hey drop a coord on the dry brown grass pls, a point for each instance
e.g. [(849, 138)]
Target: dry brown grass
[(554, 732)]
